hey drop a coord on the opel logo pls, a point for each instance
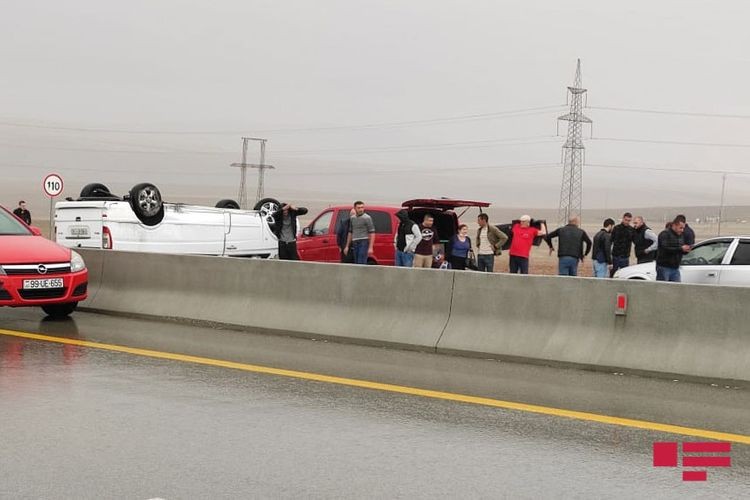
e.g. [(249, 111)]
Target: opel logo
[(42, 269)]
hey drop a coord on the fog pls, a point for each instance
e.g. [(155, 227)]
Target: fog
[(381, 101)]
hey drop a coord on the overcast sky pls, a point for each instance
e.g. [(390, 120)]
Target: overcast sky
[(270, 68)]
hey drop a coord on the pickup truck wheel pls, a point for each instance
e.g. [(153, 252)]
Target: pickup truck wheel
[(95, 190), (267, 207), (60, 310), (228, 204), (145, 200)]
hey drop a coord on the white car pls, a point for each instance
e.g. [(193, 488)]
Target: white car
[(718, 261), (142, 222)]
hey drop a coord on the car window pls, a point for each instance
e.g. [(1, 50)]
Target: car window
[(707, 254), (382, 221), (11, 225), (742, 254), (321, 224)]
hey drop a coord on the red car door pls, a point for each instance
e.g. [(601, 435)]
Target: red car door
[(318, 243)]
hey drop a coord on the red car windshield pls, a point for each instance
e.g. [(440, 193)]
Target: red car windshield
[(9, 225)]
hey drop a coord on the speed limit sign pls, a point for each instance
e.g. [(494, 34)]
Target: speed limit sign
[(53, 185)]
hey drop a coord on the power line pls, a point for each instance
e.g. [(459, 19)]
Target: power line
[(666, 169), (675, 143), (675, 113), (428, 170), (428, 121), (411, 147), (427, 147)]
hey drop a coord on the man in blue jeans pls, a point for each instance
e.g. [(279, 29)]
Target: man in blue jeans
[(671, 249), (623, 235), (570, 249), (602, 250), (361, 238)]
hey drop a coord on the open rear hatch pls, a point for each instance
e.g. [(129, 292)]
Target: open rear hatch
[(443, 203)]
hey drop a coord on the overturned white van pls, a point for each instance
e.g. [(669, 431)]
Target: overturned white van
[(142, 222)]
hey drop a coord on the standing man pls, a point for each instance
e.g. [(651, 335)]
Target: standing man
[(622, 239), (342, 233), (570, 242), (490, 241), (602, 249), (429, 243), (361, 238), (688, 236), (22, 213), (285, 229), (520, 245), (645, 241), (406, 240), (671, 249)]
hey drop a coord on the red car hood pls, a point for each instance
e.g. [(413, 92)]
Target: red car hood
[(31, 250)]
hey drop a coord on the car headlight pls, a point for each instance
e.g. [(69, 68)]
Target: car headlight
[(76, 262)]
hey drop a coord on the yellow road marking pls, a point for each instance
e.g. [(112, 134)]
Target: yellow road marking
[(365, 384)]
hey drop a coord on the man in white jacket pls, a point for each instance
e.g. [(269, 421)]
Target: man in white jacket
[(406, 240)]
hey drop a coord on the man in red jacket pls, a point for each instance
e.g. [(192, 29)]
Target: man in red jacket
[(520, 247)]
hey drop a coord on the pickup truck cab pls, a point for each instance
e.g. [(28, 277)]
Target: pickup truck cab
[(110, 223), (717, 261)]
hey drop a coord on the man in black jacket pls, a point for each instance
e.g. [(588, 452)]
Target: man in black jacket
[(688, 236), (571, 240), (22, 213), (285, 229), (623, 235), (602, 249), (671, 249)]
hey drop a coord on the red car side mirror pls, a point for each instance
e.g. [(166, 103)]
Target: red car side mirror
[(35, 231)]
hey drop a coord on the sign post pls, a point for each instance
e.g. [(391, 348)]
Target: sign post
[(53, 186)]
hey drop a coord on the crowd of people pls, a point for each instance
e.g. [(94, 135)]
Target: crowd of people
[(419, 245), (612, 246)]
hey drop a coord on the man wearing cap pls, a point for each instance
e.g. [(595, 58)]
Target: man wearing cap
[(520, 246)]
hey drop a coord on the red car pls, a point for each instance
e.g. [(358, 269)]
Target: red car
[(37, 272), (318, 240)]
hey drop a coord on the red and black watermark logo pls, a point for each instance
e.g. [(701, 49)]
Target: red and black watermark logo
[(694, 456)]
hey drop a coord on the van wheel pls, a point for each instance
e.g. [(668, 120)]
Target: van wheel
[(145, 200), (267, 207), (231, 204), (60, 310), (96, 190)]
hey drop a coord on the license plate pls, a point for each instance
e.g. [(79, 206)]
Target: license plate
[(42, 283), (79, 232)]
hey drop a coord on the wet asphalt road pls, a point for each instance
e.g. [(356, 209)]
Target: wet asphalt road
[(85, 423)]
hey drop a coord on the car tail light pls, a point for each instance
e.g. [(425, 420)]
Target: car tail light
[(106, 238)]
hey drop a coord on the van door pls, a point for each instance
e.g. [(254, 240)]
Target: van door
[(245, 236), (78, 224), (384, 249), (320, 244)]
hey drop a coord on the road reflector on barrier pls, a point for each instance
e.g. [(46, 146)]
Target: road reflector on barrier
[(621, 306)]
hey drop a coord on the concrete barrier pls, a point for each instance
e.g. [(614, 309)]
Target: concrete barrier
[(691, 330), (695, 331), (360, 303)]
